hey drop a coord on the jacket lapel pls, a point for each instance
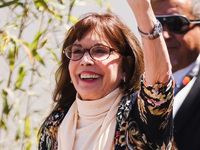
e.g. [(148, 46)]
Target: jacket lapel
[(123, 113), (189, 106)]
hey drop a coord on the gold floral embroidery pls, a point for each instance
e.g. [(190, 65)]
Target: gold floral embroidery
[(142, 110), (123, 129)]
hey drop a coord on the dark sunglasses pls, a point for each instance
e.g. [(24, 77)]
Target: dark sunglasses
[(178, 24)]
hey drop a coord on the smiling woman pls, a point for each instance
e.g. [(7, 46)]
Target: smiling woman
[(103, 102)]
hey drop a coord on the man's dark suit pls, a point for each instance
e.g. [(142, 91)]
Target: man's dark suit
[(187, 120)]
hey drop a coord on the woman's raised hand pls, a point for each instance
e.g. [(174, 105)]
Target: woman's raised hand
[(156, 70)]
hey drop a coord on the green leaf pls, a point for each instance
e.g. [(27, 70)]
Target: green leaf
[(3, 42), (11, 25), (35, 131), (6, 108), (43, 4), (20, 77), (27, 127), (60, 1), (108, 4), (35, 42), (43, 42), (72, 19), (39, 74), (20, 4), (13, 51), (1, 81), (99, 2), (17, 136), (34, 46), (37, 57), (55, 57), (3, 125), (28, 146), (11, 58), (40, 3), (5, 4)]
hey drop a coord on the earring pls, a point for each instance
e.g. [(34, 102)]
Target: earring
[(124, 79)]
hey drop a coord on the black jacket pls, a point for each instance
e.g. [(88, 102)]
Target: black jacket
[(187, 120)]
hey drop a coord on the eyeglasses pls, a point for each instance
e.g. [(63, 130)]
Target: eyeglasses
[(98, 52), (178, 24)]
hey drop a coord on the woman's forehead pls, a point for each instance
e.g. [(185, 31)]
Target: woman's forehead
[(92, 38)]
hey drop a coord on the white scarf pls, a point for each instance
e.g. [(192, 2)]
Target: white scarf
[(90, 125)]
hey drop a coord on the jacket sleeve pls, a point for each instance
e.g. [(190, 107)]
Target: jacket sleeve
[(154, 109), (144, 118)]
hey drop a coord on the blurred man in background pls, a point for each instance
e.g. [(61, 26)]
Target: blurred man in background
[(181, 30)]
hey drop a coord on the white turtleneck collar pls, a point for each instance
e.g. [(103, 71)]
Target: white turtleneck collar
[(96, 107)]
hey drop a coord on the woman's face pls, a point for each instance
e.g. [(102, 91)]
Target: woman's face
[(95, 79)]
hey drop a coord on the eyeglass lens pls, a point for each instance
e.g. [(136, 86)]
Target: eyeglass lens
[(97, 52)]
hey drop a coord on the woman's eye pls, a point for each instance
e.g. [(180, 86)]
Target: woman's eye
[(102, 51), (77, 51)]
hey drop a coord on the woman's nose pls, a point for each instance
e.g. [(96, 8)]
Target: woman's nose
[(86, 59)]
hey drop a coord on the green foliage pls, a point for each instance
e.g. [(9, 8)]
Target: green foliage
[(6, 108), (2, 124), (6, 4), (18, 131), (20, 77), (28, 147), (30, 45), (27, 127)]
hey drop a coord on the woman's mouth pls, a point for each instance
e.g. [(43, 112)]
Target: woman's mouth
[(87, 76)]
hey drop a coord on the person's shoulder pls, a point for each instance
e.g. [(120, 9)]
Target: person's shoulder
[(53, 121), (126, 105), (49, 130), (56, 117), (129, 97)]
